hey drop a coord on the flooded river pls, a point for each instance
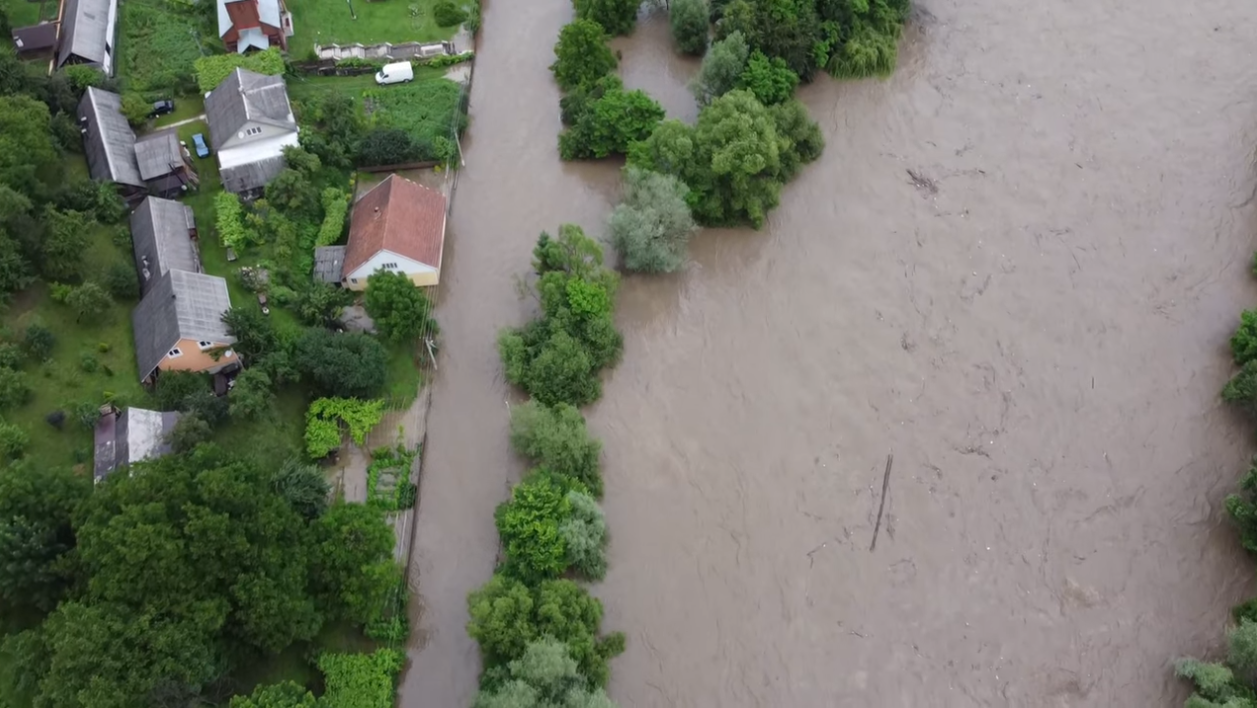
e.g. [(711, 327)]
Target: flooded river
[(1015, 268)]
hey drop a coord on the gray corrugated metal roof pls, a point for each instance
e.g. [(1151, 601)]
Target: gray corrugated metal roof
[(109, 142), (158, 154), (181, 305), (134, 435), (247, 96), (253, 175), (329, 262), (85, 30), (159, 236)]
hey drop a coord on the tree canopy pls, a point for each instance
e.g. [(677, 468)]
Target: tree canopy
[(348, 365), (689, 25), (554, 438), (615, 16), (652, 227), (582, 55), (610, 123), (400, 310)]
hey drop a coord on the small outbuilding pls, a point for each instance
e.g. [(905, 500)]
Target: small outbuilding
[(329, 264), (398, 226), (129, 436), (35, 39)]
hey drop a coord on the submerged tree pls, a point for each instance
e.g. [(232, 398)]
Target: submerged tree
[(652, 227)]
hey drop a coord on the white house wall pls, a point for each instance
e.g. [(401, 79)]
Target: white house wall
[(405, 265), (256, 150), (269, 134)]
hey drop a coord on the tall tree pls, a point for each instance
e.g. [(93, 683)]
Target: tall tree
[(617, 17), (582, 55), (61, 257), (400, 310), (721, 69), (555, 439), (348, 365), (27, 151), (653, 225), (353, 561), (545, 675), (689, 25)]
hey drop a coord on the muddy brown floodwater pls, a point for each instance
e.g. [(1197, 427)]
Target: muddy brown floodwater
[(1015, 268)]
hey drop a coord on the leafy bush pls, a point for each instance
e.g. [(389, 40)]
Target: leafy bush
[(529, 524), (359, 417), (736, 159), (335, 207), (135, 109), (584, 535), (303, 487), (15, 389), (348, 365), (360, 680), (407, 495), (84, 76), (191, 430), (555, 439), (13, 441), (122, 281), (280, 695), (1242, 388), (447, 14), (545, 675), (582, 55), (507, 616), (1244, 341), (770, 80), (39, 341), (88, 362), (652, 226), (11, 356), (400, 310), (65, 241), (721, 69), (609, 124), (252, 395), (441, 61), (211, 70), (689, 25), (321, 304), (229, 218), (88, 300), (388, 146), (616, 17)]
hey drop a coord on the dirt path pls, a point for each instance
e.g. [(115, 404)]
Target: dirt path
[(1015, 268)]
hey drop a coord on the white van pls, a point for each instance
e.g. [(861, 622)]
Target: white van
[(400, 72)]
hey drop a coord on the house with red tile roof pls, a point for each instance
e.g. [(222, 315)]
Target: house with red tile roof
[(397, 226)]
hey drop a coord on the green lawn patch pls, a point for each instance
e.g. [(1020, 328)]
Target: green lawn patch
[(158, 45), (23, 13), (331, 22), (404, 376), (185, 107), (92, 362), (425, 109), (303, 88)]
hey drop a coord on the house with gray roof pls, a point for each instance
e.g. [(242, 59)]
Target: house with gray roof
[(179, 325), (162, 233), (250, 123), (123, 438), (89, 34), (157, 164)]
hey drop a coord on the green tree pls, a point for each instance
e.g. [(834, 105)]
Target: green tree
[(339, 126), (721, 69), (27, 152), (65, 242), (582, 55), (121, 281), (294, 193), (616, 17), (1244, 341), (253, 394), (1242, 388), (447, 14), (858, 38), (303, 487), (507, 616), (189, 431), (584, 535), (552, 367), (652, 227), (788, 29), (321, 305), (387, 146), (279, 695), (15, 389), (348, 365), (255, 334), (400, 310), (13, 440), (609, 124), (135, 108), (689, 25), (89, 300), (37, 535), (529, 524), (353, 568), (769, 79), (555, 439), (39, 341), (15, 270), (1216, 686), (801, 139), (545, 675)]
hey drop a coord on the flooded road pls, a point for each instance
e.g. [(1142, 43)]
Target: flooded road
[(1015, 267)]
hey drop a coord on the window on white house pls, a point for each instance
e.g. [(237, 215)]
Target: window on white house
[(354, 281), (205, 345), (253, 131), (390, 266), (174, 352)]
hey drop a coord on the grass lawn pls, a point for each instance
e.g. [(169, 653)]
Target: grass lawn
[(78, 370), (158, 43), (304, 88), (425, 109), (185, 107), (23, 13), (331, 22)]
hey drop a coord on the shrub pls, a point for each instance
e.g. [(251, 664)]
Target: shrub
[(229, 218), (609, 124), (252, 395), (88, 362), (11, 356), (555, 438), (39, 341), (86, 413), (447, 14), (721, 69), (360, 680), (191, 430), (281, 695), (349, 365), (616, 17), (1244, 341), (545, 675), (175, 387), (335, 207), (426, 111), (122, 281), (443, 60), (303, 487), (15, 389), (135, 108), (584, 535), (529, 524), (770, 80), (13, 440), (1242, 388), (689, 25), (324, 416), (211, 70), (83, 76), (88, 300), (582, 55), (652, 227), (407, 495), (387, 146)]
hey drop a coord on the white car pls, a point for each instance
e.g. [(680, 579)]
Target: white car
[(396, 73)]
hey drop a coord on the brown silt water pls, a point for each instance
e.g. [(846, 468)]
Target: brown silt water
[(1015, 268)]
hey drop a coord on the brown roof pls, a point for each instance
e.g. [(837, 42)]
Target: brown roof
[(401, 217)]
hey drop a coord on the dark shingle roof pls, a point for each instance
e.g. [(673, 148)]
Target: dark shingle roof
[(251, 175), (158, 154), (85, 30), (181, 305), (329, 263), (159, 236), (35, 38), (247, 96), (109, 142)]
